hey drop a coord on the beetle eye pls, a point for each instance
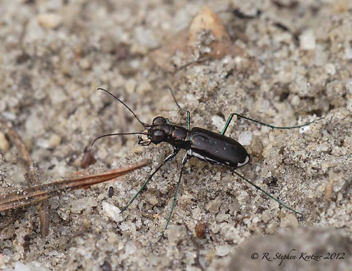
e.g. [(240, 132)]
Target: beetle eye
[(159, 121), (158, 136)]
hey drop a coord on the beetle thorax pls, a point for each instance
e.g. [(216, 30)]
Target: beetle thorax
[(162, 131)]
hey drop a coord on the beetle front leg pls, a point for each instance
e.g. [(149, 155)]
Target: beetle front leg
[(184, 161), (167, 159)]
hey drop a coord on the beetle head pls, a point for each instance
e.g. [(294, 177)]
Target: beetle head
[(155, 133)]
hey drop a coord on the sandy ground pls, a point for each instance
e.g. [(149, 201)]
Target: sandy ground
[(293, 63)]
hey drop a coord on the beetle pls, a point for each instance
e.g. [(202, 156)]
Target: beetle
[(201, 143)]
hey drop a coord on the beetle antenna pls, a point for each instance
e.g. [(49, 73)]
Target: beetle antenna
[(173, 96), (141, 122), (99, 137), (266, 193)]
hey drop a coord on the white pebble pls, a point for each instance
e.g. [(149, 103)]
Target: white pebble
[(245, 138), (85, 64), (348, 53), (218, 122), (307, 40), (330, 68), (34, 125), (222, 251), (112, 211), (339, 185), (21, 267), (82, 204)]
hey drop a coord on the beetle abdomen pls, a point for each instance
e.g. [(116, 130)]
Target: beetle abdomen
[(216, 148)]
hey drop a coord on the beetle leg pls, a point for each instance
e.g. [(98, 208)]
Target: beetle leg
[(167, 159), (266, 193), (265, 124), (227, 124), (184, 161), (188, 120)]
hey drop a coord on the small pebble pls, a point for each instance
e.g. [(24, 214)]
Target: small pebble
[(218, 41), (85, 64), (4, 144), (21, 267), (218, 122), (339, 184), (348, 86), (330, 68), (200, 230), (130, 248), (213, 206), (34, 125), (49, 20), (113, 238), (289, 221), (54, 140), (146, 37), (222, 251), (130, 86), (112, 211), (348, 53), (245, 138), (307, 40), (152, 200), (82, 204)]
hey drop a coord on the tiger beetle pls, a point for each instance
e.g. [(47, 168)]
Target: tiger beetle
[(203, 144)]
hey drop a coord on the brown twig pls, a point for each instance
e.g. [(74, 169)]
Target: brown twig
[(31, 176), (36, 194)]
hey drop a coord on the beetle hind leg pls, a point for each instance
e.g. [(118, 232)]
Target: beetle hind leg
[(268, 194), (264, 124)]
